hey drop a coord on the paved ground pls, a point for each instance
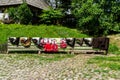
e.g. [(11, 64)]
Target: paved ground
[(75, 68)]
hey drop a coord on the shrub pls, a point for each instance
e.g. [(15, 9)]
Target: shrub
[(98, 18), (51, 16), (21, 14)]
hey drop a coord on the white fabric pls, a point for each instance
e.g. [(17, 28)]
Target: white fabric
[(4, 16)]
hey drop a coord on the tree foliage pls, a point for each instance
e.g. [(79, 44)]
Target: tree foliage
[(12, 13), (97, 17), (60, 4), (21, 14), (51, 16)]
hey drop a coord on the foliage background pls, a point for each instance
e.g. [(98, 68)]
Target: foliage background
[(97, 17), (21, 14)]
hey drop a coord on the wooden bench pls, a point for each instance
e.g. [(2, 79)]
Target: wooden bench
[(76, 49)]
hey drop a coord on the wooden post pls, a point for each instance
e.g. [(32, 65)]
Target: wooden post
[(72, 51), (39, 52)]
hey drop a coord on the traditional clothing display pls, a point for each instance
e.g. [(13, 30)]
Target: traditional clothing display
[(70, 42), (47, 47), (79, 41), (26, 42), (14, 40), (54, 46), (87, 41), (63, 44), (58, 44), (38, 42)]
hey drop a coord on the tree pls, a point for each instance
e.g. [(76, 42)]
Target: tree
[(12, 13), (87, 15), (21, 14), (96, 17), (24, 14), (51, 16)]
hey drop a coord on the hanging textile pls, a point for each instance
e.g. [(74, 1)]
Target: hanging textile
[(63, 43), (14, 40), (70, 42), (26, 42), (47, 46), (79, 41), (88, 41), (54, 46), (38, 42)]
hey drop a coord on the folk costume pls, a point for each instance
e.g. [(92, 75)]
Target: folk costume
[(63, 44), (70, 42), (38, 42), (54, 46), (26, 42), (14, 40), (47, 46)]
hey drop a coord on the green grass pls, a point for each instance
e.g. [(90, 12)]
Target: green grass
[(17, 30), (112, 62), (41, 57), (114, 49)]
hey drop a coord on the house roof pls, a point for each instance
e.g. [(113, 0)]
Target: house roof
[(36, 3)]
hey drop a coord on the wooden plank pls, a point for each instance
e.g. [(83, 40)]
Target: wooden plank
[(83, 48), (35, 50), (23, 49), (85, 51), (34, 47)]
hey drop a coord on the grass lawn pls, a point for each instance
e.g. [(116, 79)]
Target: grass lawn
[(17, 30), (112, 62)]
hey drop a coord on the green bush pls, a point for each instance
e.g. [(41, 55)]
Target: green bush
[(97, 17), (51, 16), (21, 14), (13, 13)]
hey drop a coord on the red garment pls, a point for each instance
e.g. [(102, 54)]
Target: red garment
[(47, 47), (63, 44), (54, 47)]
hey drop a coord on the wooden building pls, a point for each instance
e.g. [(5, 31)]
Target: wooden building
[(36, 6)]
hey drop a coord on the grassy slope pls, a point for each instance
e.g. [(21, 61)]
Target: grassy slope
[(17, 30)]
